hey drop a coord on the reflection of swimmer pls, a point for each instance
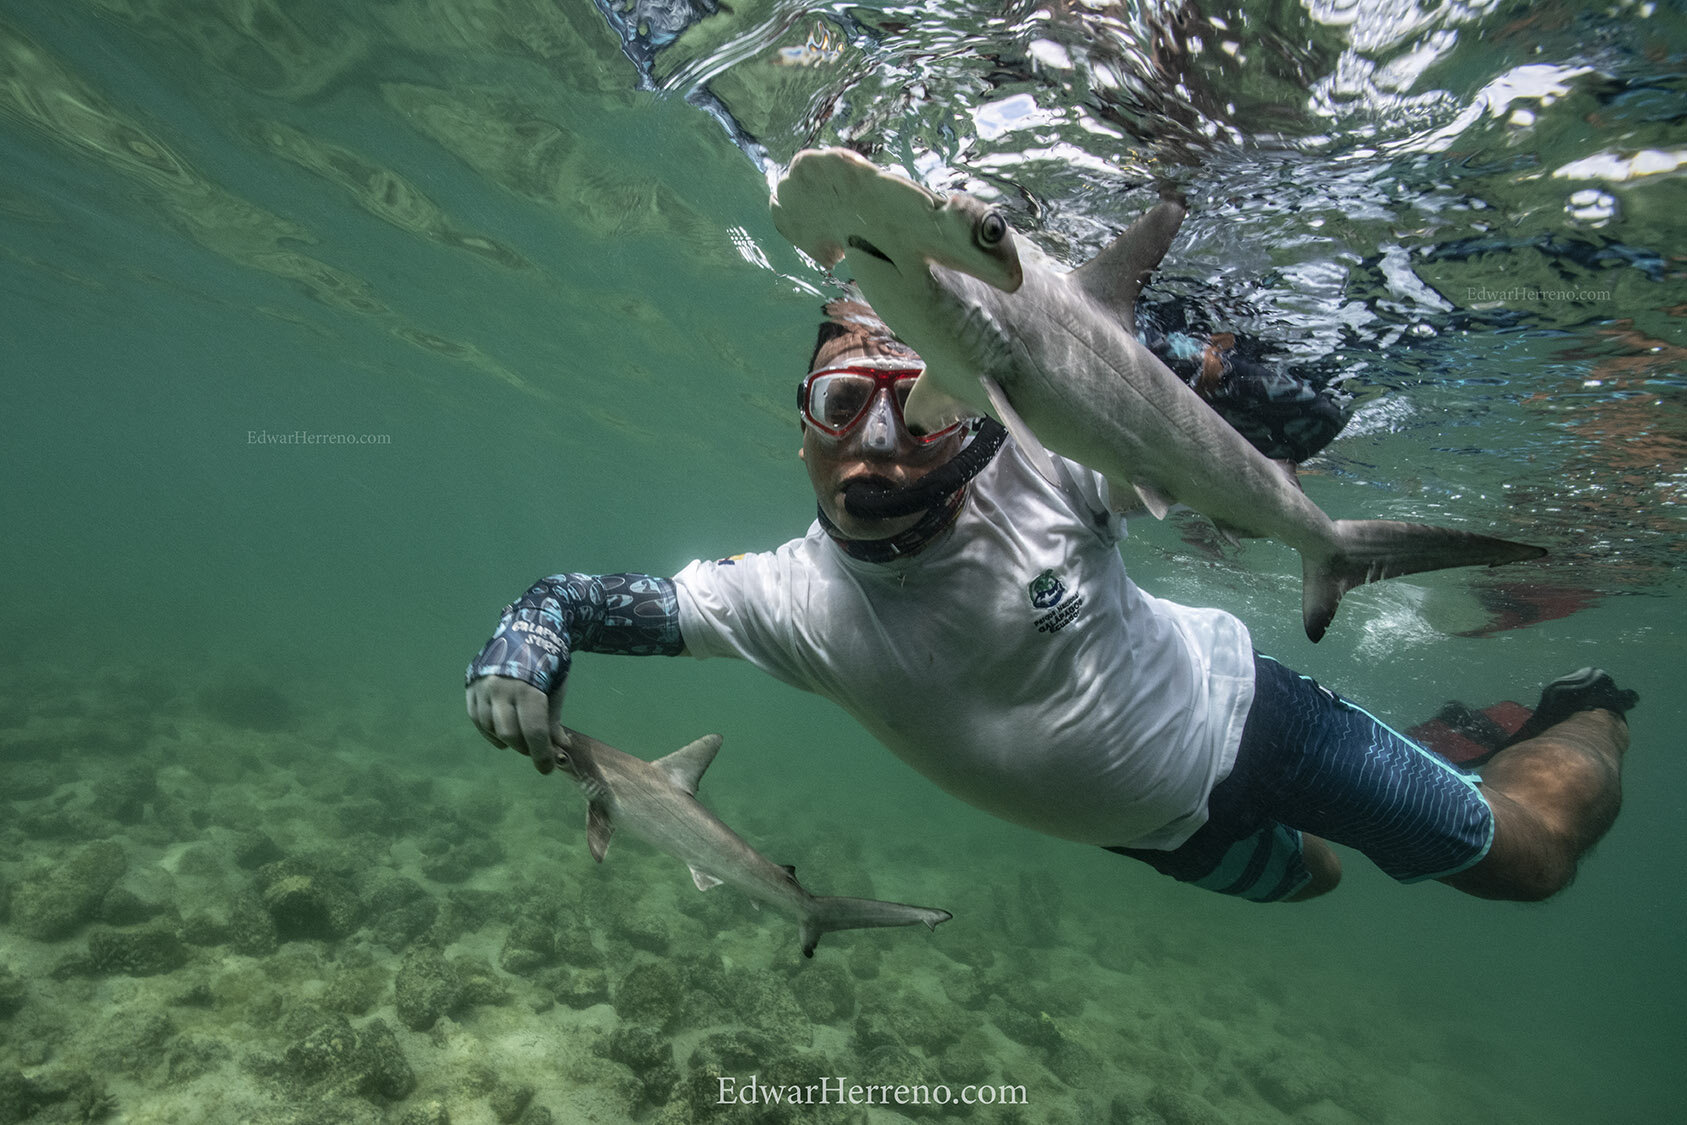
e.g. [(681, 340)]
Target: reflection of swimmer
[(989, 635), (1519, 605), (1620, 484), (1284, 416)]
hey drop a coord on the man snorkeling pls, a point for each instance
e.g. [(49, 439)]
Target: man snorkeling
[(979, 622)]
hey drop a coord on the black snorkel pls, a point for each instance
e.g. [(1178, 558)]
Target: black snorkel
[(869, 499)]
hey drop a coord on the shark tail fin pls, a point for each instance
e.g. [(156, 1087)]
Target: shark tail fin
[(825, 914), (1371, 550)]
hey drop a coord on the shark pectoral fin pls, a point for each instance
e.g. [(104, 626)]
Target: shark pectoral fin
[(1039, 456), (931, 408), (1157, 502), (1115, 276), (703, 879), (599, 828), (685, 766)]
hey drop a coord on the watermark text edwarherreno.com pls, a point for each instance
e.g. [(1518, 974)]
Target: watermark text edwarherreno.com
[(314, 437), (1522, 294), (844, 1092)]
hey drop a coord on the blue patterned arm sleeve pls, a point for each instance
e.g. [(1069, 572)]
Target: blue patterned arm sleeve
[(630, 614)]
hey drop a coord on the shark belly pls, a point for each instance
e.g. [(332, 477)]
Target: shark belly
[(1094, 394), (705, 844)]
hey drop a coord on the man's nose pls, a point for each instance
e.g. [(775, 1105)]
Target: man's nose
[(878, 432)]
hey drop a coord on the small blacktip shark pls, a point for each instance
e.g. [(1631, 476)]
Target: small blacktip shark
[(1054, 356), (657, 801)]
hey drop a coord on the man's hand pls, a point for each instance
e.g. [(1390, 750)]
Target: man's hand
[(517, 715)]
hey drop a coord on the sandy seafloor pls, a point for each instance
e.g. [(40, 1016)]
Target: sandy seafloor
[(226, 907)]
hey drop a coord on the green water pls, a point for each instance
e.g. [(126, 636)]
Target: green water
[(544, 297)]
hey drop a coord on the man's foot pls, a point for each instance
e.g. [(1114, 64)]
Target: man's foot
[(1589, 689)]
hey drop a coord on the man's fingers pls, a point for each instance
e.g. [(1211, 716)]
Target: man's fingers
[(533, 713), (480, 714), (506, 724), (516, 715)]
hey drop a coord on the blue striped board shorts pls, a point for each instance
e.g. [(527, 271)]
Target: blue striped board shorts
[(1311, 761)]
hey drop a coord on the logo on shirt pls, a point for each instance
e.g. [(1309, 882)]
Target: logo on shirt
[(1048, 592)]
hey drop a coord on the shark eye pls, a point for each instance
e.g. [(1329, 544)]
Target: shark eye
[(992, 228)]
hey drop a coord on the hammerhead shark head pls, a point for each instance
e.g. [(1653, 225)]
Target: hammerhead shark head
[(657, 801), (1054, 356)]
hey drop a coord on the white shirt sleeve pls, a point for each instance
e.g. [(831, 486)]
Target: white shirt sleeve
[(742, 606)]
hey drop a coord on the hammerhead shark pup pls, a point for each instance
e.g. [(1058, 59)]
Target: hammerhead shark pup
[(657, 801), (1054, 356)]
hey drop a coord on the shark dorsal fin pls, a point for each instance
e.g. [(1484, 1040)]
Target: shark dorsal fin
[(685, 766), (599, 828), (1115, 276), (703, 879)]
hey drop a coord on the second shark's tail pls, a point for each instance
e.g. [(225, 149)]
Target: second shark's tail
[(1371, 550), (826, 913)]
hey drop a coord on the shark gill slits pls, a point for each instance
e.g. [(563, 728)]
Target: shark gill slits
[(856, 242), (990, 231)]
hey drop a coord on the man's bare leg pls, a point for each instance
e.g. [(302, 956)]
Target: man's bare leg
[(1553, 797)]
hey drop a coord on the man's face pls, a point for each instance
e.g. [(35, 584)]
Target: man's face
[(880, 448)]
